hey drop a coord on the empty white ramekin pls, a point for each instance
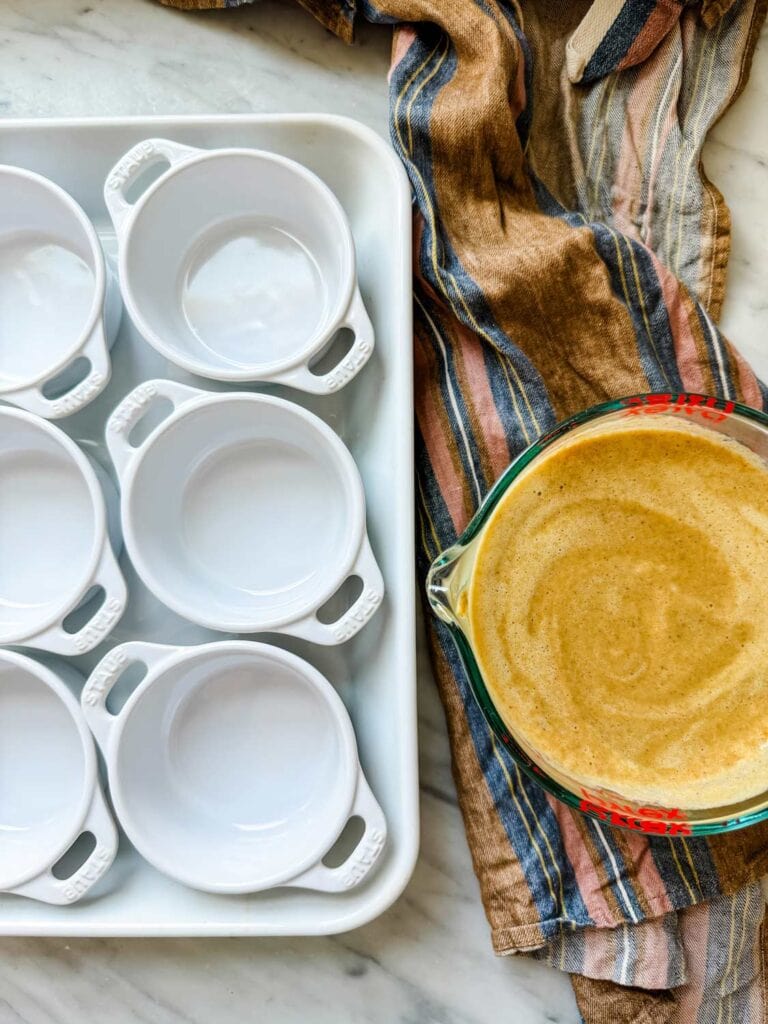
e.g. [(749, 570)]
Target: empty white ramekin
[(55, 538), (238, 265), (233, 767), (50, 794), (243, 512), (59, 301)]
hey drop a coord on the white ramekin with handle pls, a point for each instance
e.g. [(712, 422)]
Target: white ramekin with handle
[(238, 265), (59, 520), (60, 301), (233, 767), (243, 512), (51, 795)]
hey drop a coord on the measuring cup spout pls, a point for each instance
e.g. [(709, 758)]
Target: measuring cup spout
[(441, 585)]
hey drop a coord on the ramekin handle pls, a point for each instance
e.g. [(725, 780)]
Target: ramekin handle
[(363, 858), (352, 621), (95, 350), (105, 677), (133, 408), (62, 891), (129, 167), (58, 641), (356, 320)]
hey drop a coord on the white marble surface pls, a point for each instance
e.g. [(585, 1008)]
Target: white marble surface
[(428, 960)]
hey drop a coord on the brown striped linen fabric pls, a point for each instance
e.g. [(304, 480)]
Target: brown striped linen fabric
[(569, 249)]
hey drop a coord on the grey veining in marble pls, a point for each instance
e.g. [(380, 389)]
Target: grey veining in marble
[(428, 960)]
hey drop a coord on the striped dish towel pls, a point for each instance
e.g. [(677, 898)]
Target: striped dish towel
[(568, 250)]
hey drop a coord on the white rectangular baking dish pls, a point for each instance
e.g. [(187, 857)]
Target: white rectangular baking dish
[(375, 672)]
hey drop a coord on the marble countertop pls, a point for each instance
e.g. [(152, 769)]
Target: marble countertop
[(428, 960)]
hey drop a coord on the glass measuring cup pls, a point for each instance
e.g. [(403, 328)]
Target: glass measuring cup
[(451, 574)]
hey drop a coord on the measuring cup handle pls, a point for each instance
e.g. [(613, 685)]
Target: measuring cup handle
[(61, 891), (356, 320), (105, 677), (133, 408), (363, 858), (57, 640), (129, 167), (352, 621)]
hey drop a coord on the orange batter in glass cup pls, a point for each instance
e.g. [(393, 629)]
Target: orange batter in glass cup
[(618, 611)]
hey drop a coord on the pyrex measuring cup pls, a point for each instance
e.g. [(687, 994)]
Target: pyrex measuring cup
[(448, 590)]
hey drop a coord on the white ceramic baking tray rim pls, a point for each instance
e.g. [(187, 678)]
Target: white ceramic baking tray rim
[(381, 897)]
